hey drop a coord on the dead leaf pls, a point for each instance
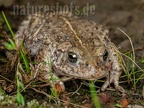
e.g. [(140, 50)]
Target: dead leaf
[(104, 98), (124, 102)]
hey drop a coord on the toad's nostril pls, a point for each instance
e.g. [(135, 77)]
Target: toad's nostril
[(87, 64)]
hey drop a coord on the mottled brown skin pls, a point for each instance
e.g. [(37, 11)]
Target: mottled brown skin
[(50, 37)]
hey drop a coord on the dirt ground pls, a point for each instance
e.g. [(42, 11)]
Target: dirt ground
[(128, 15)]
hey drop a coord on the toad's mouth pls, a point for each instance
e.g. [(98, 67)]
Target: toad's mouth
[(91, 77), (69, 77), (86, 76)]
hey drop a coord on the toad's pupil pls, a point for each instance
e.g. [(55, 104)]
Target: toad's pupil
[(72, 57), (105, 55)]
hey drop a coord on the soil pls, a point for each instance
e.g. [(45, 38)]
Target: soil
[(124, 14)]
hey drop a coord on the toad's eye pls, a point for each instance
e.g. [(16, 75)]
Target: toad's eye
[(72, 57), (105, 56)]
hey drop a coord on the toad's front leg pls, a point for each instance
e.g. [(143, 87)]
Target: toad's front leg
[(115, 71), (45, 70), (113, 78)]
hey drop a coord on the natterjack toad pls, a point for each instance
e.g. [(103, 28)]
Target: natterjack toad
[(77, 48)]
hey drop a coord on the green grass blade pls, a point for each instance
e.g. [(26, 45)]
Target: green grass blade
[(94, 95), (142, 61), (9, 27), (20, 99), (11, 45), (25, 61), (19, 96)]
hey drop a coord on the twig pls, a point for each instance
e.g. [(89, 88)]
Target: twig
[(130, 43), (7, 79), (49, 96), (76, 92), (132, 61)]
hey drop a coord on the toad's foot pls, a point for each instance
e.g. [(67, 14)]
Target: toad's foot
[(110, 79)]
